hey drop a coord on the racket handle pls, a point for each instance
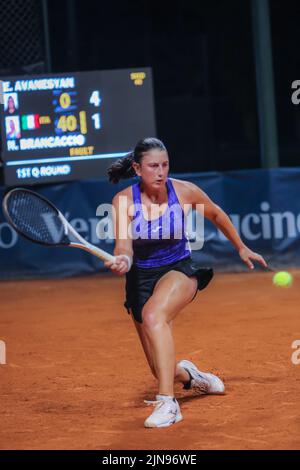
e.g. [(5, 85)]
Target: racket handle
[(94, 250)]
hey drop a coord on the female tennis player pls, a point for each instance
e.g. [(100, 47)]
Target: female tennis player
[(161, 277)]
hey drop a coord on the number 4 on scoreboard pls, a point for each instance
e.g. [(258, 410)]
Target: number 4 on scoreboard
[(95, 98)]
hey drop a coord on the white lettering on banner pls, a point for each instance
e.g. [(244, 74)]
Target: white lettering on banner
[(246, 226), (278, 225), (87, 229), (265, 225), (9, 241), (266, 221), (81, 226)]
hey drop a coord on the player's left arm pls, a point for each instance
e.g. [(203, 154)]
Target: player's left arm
[(220, 219)]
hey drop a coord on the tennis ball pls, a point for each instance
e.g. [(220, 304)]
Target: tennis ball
[(282, 279)]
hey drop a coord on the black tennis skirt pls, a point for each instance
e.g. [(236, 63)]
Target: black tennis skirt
[(140, 282)]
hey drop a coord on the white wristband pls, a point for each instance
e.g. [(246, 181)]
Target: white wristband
[(129, 261)]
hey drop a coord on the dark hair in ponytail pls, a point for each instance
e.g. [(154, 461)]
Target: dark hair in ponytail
[(122, 168)]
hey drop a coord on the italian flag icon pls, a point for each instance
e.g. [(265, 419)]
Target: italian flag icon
[(30, 121)]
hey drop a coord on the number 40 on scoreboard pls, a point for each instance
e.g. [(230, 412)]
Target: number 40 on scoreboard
[(69, 123)]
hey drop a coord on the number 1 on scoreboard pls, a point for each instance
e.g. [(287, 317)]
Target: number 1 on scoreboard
[(97, 120)]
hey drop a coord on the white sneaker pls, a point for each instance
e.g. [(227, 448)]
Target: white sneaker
[(166, 412), (203, 382)]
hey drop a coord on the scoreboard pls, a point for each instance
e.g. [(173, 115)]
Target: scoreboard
[(72, 126)]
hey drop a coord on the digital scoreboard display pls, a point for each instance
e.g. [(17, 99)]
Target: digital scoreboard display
[(72, 126)]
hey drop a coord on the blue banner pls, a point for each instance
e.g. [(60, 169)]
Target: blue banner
[(264, 206)]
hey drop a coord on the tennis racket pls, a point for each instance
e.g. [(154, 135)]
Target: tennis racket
[(38, 220)]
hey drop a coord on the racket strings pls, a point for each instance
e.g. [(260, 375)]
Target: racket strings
[(35, 218)]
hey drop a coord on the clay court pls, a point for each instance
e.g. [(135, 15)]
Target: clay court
[(76, 376)]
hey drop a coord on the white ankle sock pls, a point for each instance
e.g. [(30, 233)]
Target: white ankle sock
[(164, 397)]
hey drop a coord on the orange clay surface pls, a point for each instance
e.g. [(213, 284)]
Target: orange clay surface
[(76, 376)]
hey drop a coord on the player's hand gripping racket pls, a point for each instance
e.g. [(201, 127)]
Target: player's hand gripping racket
[(38, 220)]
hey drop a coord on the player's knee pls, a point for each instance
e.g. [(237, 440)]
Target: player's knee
[(151, 319)]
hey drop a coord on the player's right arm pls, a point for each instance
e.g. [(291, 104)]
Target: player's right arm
[(123, 242)]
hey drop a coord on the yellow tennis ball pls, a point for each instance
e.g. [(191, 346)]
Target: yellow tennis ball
[(282, 279)]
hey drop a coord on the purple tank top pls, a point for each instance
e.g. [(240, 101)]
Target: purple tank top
[(160, 241)]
